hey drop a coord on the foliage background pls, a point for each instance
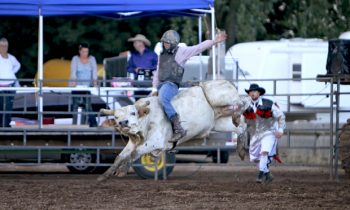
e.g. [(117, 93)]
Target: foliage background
[(243, 20)]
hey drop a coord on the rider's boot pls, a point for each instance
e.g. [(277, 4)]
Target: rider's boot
[(178, 131)]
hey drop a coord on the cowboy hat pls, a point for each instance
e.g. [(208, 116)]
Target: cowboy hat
[(257, 88), (140, 37)]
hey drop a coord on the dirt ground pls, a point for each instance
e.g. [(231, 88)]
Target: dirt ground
[(190, 186)]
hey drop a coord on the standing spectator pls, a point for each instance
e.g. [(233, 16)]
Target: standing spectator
[(266, 123), (9, 66), (83, 74)]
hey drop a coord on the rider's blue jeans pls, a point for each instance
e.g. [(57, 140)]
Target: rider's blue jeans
[(166, 92)]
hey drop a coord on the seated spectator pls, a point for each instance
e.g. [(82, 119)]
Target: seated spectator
[(142, 58), (83, 74), (9, 66)]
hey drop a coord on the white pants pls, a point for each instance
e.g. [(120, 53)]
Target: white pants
[(260, 143)]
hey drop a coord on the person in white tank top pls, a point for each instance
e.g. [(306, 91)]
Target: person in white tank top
[(9, 66)]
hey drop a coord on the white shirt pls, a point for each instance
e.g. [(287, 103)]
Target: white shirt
[(8, 69), (261, 125)]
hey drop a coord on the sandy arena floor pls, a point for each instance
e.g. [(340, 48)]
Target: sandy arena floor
[(230, 186)]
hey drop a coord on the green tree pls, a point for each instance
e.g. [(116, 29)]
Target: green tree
[(309, 18), (243, 20)]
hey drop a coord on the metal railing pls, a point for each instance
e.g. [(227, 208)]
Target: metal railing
[(109, 94)]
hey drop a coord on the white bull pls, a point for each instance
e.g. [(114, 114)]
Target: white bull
[(209, 106)]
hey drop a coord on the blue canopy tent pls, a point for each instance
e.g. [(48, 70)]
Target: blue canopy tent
[(88, 7), (107, 8)]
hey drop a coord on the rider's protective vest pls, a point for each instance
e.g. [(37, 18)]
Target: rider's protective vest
[(263, 111), (169, 69)]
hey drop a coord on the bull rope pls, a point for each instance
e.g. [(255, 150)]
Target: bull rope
[(172, 150), (205, 95)]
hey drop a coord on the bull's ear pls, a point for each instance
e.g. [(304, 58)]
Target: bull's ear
[(140, 104), (108, 123), (143, 111)]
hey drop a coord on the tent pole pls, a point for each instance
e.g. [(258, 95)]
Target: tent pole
[(40, 69), (199, 41), (213, 38)]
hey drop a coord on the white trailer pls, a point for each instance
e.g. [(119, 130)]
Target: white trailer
[(295, 59)]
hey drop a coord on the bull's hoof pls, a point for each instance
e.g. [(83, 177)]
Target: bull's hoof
[(241, 154), (156, 153), (106, 174), (121, 173), (123, 169), (102, 178), (177, 136), (172, 149), (241, 151)]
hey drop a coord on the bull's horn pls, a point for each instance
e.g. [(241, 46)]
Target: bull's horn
[(107, 111)]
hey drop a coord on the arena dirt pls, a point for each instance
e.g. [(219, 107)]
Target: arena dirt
[(228, 186)]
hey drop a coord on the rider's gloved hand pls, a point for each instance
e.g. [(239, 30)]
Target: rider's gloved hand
[(154, 92)]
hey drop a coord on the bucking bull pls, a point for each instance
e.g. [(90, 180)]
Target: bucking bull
[(210, 106)]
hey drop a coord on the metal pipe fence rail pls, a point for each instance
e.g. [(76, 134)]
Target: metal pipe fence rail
[(40, 150), (109, 95), (68, 148)]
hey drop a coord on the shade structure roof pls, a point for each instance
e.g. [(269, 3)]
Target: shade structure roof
[(117, 8)]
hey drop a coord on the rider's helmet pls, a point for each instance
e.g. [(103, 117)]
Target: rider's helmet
[(171, 37)]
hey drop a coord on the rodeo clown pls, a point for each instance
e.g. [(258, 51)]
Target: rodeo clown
[(265, 124), (167, 78)]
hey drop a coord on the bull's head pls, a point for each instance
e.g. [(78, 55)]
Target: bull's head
[(127, 118)]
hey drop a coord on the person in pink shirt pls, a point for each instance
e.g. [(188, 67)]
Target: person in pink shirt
[(170, 70)]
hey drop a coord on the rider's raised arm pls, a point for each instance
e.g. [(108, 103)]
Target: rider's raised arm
[(185, 53)]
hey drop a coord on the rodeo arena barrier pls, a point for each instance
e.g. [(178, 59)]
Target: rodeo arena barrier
[(38, 136)]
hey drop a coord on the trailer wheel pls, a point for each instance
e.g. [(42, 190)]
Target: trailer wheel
[(81, 160), (147, 170)]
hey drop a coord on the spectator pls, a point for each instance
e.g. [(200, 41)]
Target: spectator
[(142, 58), (83, 74), (9, 66), (142, 61)]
